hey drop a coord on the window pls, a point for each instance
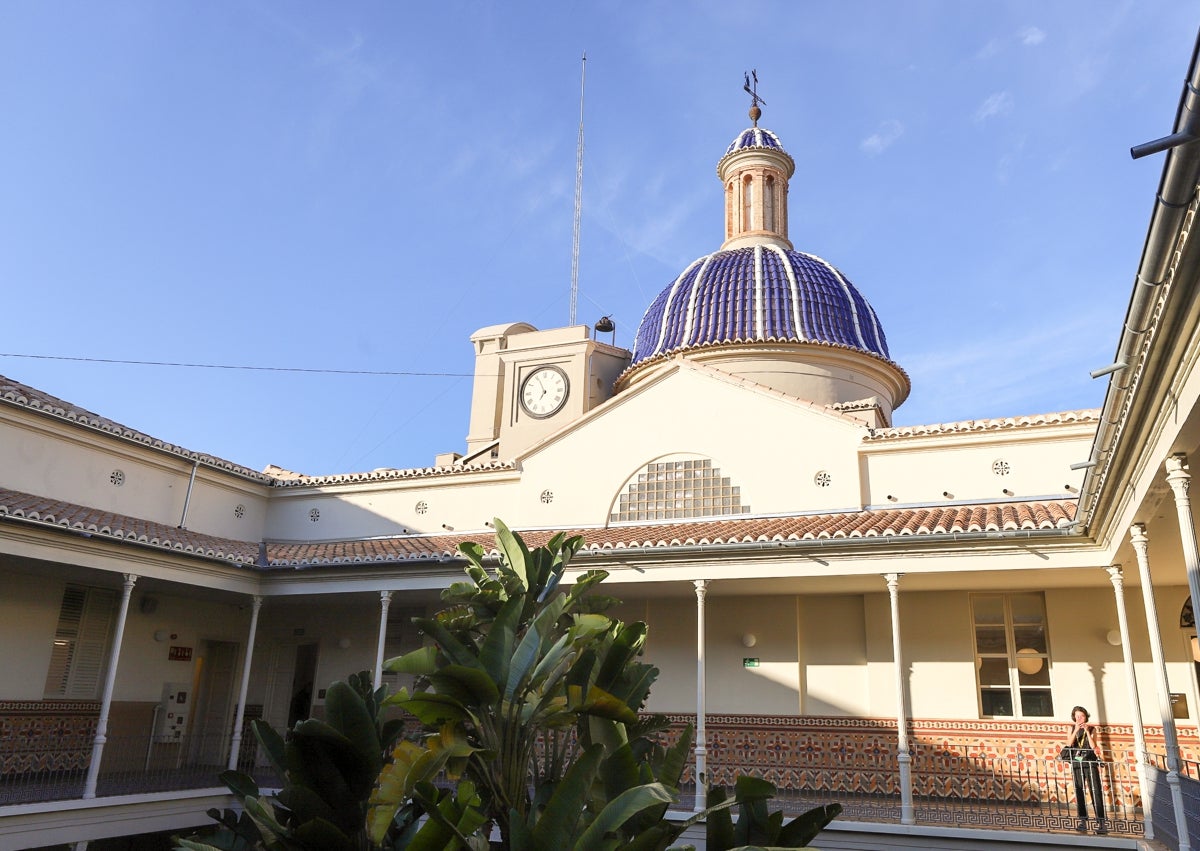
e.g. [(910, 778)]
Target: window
[(769, 204), (747, 203), (669, 490), (1012, 658), (77, 660)]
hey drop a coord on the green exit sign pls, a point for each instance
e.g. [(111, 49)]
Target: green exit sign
[(749, 661)]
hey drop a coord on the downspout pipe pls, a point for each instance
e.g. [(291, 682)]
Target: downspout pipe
[(1176, 191), (187, 500)]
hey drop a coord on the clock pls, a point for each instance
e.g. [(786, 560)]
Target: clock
[(544, 391)]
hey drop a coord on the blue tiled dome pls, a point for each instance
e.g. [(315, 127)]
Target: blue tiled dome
[(754, 137), (761, 292)]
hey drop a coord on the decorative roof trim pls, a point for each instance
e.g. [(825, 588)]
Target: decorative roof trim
[(861, 526), (1089, 415), (946, 522), (30, 398), (721, 344), (91, 522), (756, 139), (759, 322), (387, 475)]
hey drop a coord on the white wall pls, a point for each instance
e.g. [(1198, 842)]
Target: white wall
[(144, 665), (29, 607)]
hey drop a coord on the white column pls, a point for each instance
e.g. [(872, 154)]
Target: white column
[(240, 721), (903, 757), (385, 601), (1135, 701), (1141, 546), (1180, 481), (701, 750), (110, 679)]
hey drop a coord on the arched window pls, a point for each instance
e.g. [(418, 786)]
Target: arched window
[(729, 207), (747, 202), (668, 490), (769, 204)]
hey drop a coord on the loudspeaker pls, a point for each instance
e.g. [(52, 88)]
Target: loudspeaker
[(148, 605)]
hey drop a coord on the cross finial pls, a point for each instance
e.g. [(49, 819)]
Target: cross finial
[(755, 100)]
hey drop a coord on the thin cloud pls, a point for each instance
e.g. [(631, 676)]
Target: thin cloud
[(883, 138), (989, 50), (1032, 36), (955, 369), (1000, 103)]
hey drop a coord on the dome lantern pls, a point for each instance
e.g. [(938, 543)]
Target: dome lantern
[(760, 309)]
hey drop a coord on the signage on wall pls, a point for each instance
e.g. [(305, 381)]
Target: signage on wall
[(180, 654), (749, 661)]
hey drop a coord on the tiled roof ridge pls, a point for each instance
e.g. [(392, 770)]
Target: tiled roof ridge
[(1084, 415), (1050, 515), (93, 522), (668, 354), (31, 398), (389, 474), (860, 525)]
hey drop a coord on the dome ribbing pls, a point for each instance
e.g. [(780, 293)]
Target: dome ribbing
[(760, 293)]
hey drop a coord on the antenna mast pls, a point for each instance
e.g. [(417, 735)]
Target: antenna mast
[(578, 194)]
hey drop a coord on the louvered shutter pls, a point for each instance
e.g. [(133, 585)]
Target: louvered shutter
[(81, 642)]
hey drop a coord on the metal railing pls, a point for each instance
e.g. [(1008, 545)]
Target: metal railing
[(962, 791), (54, 770), (1187, 768), (1025, 793)]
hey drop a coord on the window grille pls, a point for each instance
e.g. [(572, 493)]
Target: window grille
[(669, 490)]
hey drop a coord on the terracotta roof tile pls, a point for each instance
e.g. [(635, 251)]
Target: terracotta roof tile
[(1090, 415), (898, 522), (389, 474), (22, 395), (93, 522), (715, 533)]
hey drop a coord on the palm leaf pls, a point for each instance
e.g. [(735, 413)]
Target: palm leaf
[(497, 647), (513, 551), (599, 835), (346, 712), (804, 828), (556, 826)]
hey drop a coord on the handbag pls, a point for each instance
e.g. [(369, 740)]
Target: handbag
[(1065, 754)]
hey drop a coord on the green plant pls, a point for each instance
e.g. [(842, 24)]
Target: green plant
[(328, 769), (530, 699)]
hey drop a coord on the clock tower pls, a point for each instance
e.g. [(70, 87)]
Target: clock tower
[(531, 383)]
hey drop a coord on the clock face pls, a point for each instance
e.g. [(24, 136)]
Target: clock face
[(544, 391)]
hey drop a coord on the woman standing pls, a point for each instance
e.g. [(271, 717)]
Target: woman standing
[(1080, 749)]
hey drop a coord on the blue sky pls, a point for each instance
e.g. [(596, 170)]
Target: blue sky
[(360, 186)]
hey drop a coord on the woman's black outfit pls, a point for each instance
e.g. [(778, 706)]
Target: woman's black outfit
[(1085, 769)]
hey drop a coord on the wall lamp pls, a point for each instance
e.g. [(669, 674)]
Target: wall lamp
[(1109, 370)]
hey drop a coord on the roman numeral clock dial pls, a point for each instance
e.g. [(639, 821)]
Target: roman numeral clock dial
[(544, 392)]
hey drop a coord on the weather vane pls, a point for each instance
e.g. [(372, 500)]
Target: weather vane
[(755, 100)]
